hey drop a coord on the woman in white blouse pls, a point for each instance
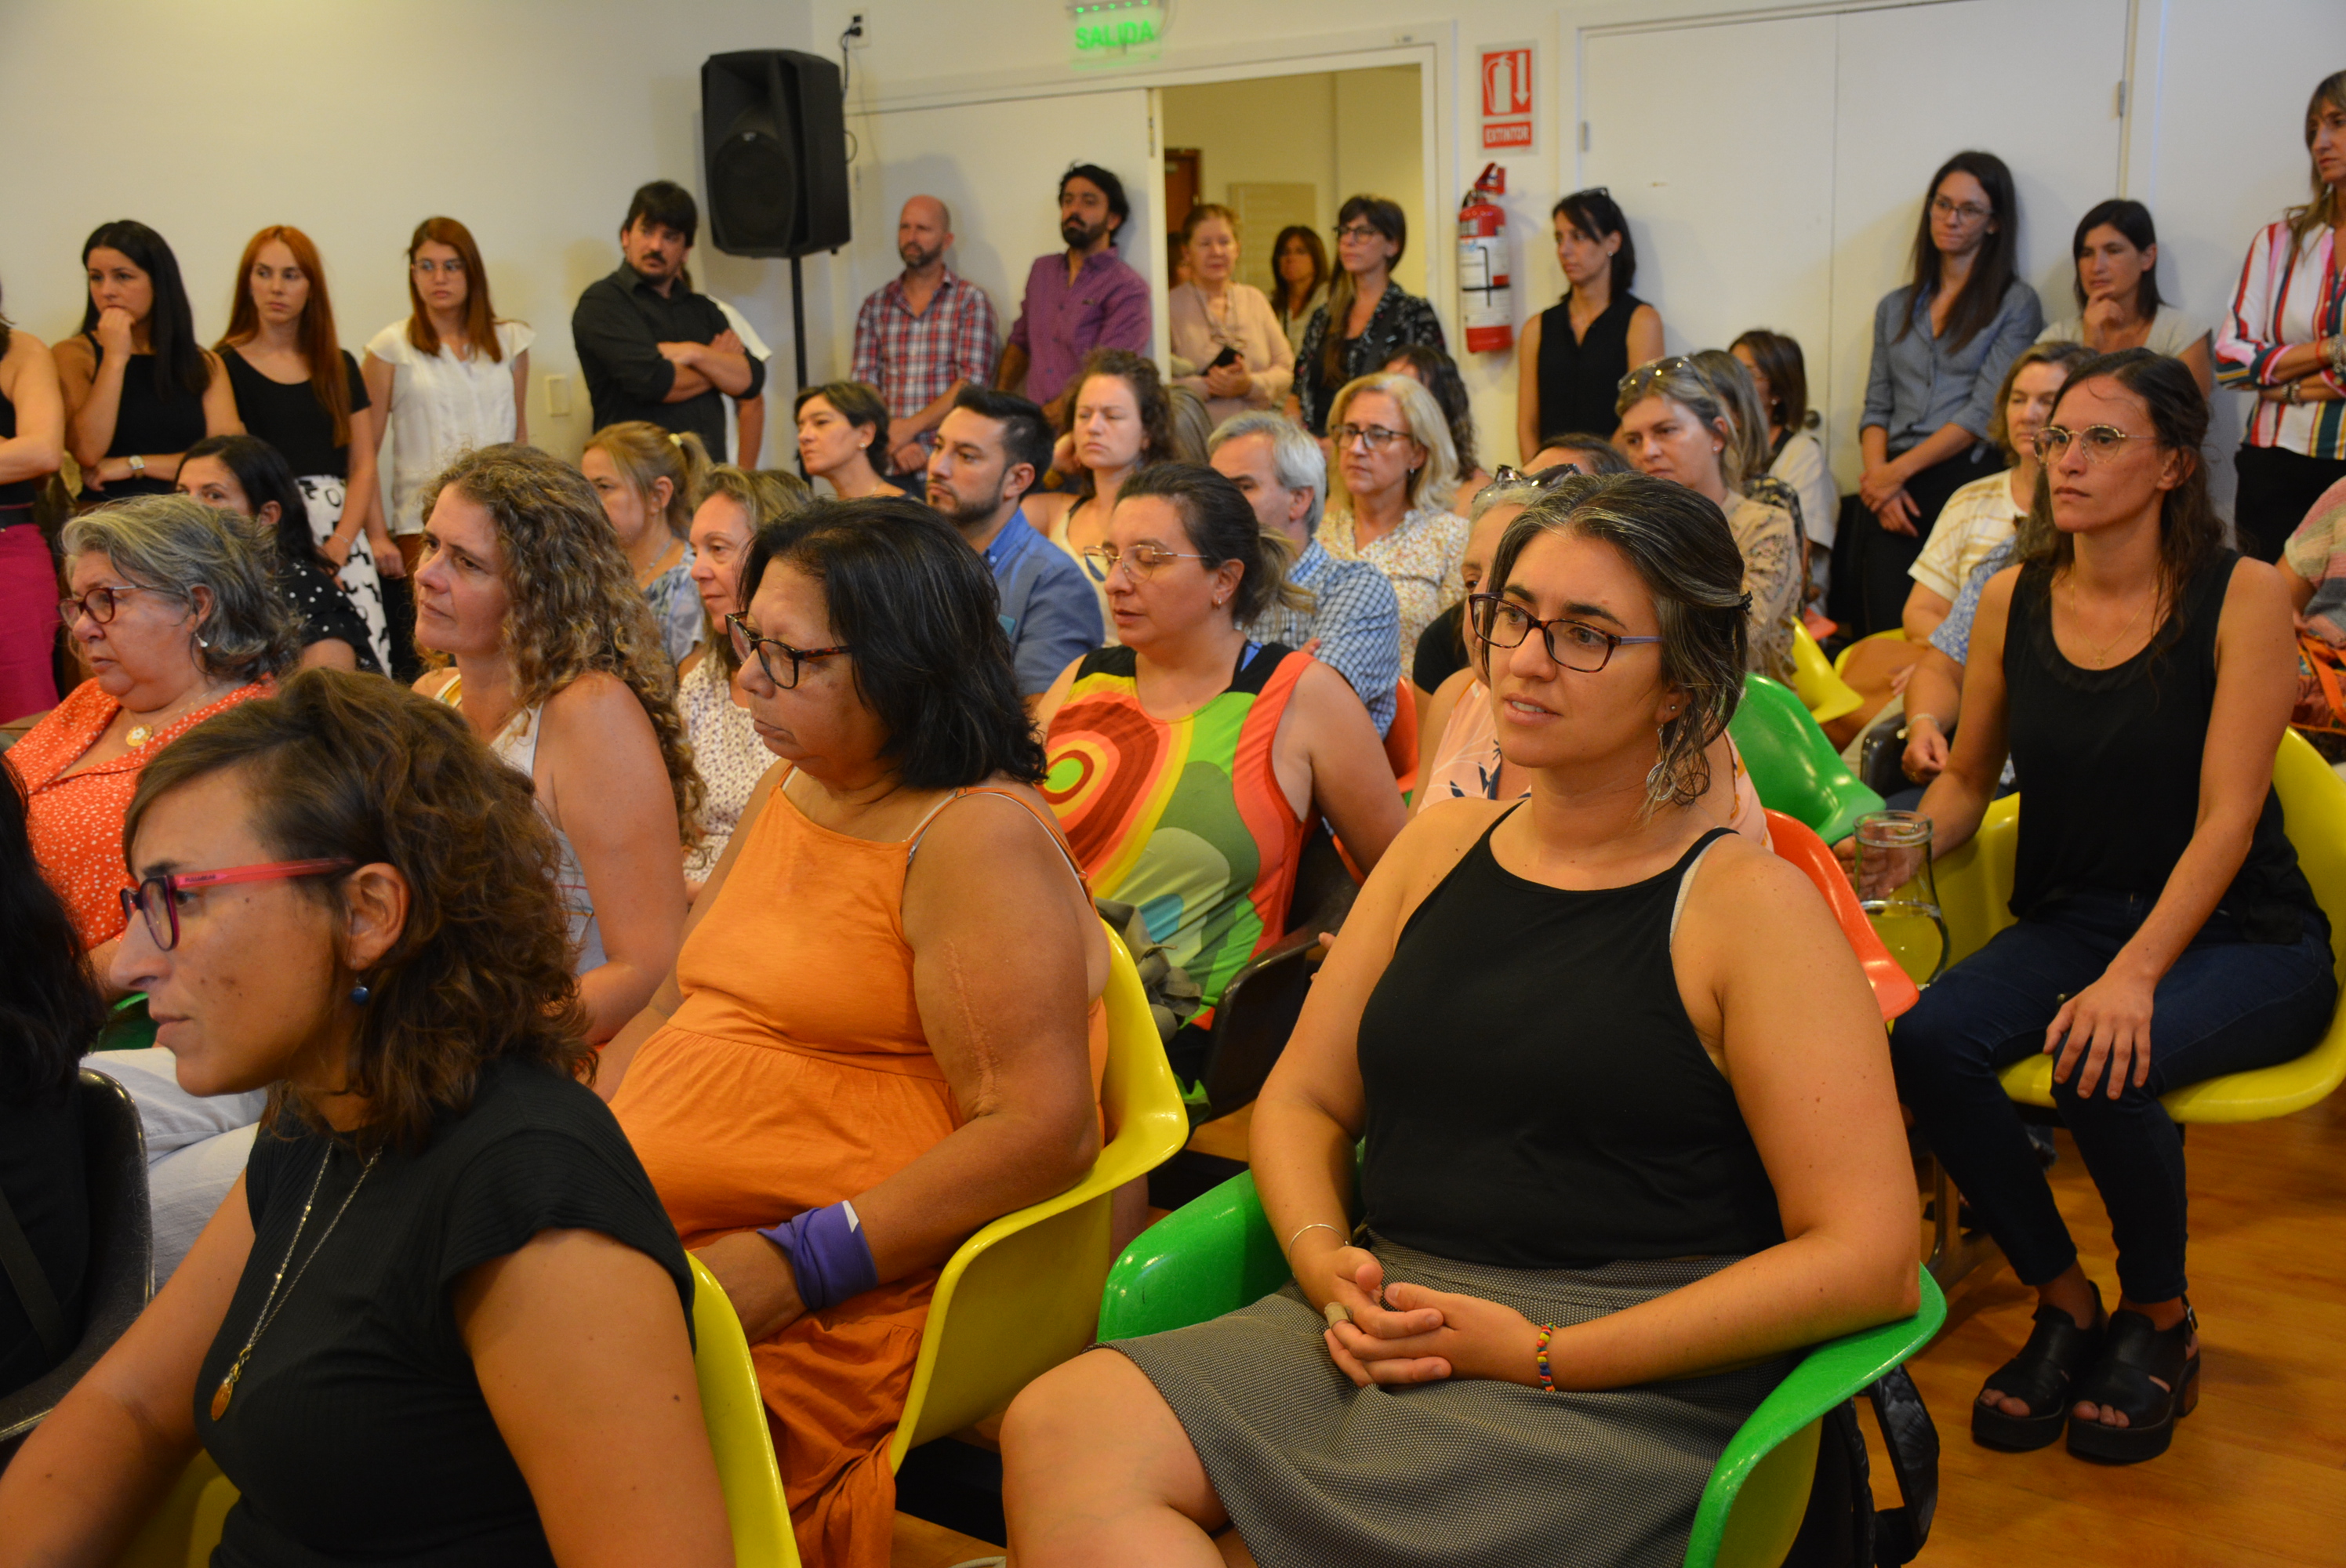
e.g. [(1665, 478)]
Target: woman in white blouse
[(1225, 337), (2116, 250), (451, 377)]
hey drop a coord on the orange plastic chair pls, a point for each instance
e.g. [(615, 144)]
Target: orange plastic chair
[(1400, 740), (1893, 989)]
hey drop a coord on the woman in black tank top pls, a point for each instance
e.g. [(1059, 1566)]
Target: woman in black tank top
[(2139, 673), (1619, 1078), (1567, 373)]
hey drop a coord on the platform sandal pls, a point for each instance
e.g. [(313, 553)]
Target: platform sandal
[(2041, 1377), (2133, 1354)]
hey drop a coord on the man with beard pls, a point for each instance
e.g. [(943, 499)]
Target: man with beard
[(1084, 299), (992, 446), (924, 336), (651, 347)]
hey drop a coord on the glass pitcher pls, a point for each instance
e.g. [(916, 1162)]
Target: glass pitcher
[(1897, 890)]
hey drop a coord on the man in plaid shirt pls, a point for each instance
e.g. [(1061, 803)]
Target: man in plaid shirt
[(925, 336)]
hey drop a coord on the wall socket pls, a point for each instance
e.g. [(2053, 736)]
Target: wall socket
[(557, 396)]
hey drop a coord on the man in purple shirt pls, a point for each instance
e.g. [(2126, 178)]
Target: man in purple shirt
[(1084, 299)]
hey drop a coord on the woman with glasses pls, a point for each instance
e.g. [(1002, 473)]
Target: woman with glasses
[(1367, 318), (175, 611), (441, 1296), (1299, 269), (1589, 1237), (531, 617), (1389, 495), (884, 1030), (2284, 340), (1223, 328), (453, 376), (1122, 423), (2140, 676), (1675, 426), (730, 758), (1574, 352), (1189, 764), (1940, 344)]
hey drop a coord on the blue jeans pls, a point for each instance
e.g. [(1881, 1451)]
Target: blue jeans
[(2226, 1006)]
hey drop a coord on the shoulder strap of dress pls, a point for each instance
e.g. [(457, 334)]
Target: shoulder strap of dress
[(1049, 825), (1687, 864)]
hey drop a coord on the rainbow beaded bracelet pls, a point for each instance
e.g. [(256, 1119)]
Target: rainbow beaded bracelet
[(1539, 1357)]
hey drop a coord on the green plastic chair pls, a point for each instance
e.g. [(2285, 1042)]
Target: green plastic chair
[(127, 1026), (1217, 1253), (1793, 765)]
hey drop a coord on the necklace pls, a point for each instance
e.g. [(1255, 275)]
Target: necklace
[(140, 734), (2102, 653), (270, 1306)]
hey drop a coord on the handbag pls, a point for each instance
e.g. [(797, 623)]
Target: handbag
[(2320, 706)]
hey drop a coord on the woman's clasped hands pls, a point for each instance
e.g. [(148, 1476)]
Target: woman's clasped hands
[(1404, 1333)]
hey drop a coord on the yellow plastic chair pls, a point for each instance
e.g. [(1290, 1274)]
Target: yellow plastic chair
[(1823, 693), (1975, 895), (183, 1532), (1023, 1295), (1840, 660)]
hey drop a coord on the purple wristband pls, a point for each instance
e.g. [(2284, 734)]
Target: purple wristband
[(828, 1257)]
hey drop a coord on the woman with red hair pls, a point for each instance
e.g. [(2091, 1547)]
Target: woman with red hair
[(299, 391), (452, 376)]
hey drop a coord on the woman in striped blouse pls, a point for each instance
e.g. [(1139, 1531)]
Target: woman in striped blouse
[(2284, 338)]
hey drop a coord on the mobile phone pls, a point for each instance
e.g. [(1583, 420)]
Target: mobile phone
[(1228, 356)]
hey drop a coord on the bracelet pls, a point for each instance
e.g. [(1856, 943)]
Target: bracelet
[(1316, 1225), (1539, 1357), (2337, 354), (1914, 718), (829, 1258)]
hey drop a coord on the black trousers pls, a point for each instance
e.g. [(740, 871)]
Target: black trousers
[(1875, 563), (2278, 488)]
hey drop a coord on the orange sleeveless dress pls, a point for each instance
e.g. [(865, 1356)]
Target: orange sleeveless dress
[(794, 1074)]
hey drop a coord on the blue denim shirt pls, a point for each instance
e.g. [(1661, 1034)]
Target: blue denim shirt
[(1916, 384), (1048, 609)]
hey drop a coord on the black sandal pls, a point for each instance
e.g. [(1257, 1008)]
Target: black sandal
[(2133, 1354), (2040, 1377)]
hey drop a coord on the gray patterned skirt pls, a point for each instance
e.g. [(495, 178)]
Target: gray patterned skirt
[(1316, 1472)]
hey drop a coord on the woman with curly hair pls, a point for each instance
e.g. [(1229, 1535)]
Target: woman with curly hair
[(1123, 421), (531, 615), (884, 1030), (344, 900)]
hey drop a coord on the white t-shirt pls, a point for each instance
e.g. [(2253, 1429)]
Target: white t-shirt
[(2172, 332), (1973, 521), (1801, 464), (440, 406), (755, 347)]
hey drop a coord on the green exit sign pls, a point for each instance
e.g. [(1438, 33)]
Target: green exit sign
[(1108, 31)]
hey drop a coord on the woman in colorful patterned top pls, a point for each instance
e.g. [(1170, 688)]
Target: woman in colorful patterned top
[(1188, 765)]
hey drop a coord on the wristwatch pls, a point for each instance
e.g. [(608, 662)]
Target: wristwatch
[(137, 465)]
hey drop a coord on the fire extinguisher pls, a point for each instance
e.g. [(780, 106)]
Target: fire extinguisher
[(1484, 309)]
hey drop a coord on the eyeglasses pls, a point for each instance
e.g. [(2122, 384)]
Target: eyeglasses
[(1142, 560), (97, 603), (747, 642), (1359, 232), (1967, 211), (1653, 371), (1575, 644), (157, 898), (2103, 442), (453, 266), (1374, 437)]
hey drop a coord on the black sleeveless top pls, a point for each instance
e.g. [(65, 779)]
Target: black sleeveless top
[(1538, 1098), (1580, 379), (148, 423), (289, 416), (2110, 760), (17, 492)]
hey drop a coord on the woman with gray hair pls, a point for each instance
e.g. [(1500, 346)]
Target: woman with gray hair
[(1588, 1239), (1675, 426), (1390, 492), (174, 610)]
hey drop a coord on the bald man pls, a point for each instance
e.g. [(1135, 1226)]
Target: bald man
[(925, 336)]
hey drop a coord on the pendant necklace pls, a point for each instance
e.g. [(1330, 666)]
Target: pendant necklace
[(270, 1306)]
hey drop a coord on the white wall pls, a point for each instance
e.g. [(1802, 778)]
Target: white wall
[(2212, 141), (531, 123)]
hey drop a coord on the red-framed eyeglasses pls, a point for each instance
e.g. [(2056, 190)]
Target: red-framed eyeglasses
[(157, 899)]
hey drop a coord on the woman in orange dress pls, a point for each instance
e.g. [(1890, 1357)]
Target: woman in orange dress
[(175, 611), (884, 1028)]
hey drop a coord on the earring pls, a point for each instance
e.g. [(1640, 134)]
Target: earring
[(360, 994)]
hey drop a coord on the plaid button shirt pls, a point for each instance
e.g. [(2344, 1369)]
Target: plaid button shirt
[(1356, 618), (913, 359)]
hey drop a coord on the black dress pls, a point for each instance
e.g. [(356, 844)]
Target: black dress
[(358, 1432), (1580, 378), (147, 420), (16, 494)]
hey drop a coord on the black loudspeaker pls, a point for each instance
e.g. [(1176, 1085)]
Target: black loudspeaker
[(774, 129)]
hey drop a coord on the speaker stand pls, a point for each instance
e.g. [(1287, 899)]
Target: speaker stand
[(798, 322)]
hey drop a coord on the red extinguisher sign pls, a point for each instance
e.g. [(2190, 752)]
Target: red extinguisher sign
[(1486, 310)]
